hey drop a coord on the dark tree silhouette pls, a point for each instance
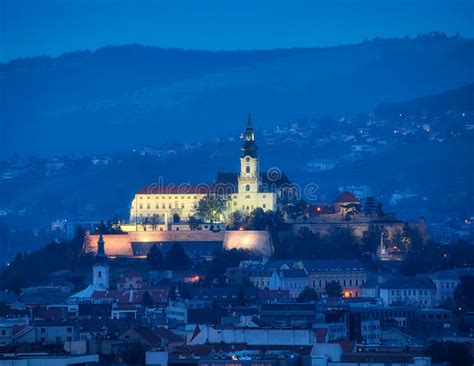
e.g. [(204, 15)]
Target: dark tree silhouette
[(308, 295), (154, 257), (147, 300), (464, 294), (176, 258), (333, 289), (380, 211), (371, 238), (370, 207), (194, 223), (240, 297)]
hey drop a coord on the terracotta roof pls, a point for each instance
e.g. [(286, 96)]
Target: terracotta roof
[(133, 296), (186, 189), (148, 336), (347, 346), (345, 197), (168, 335)]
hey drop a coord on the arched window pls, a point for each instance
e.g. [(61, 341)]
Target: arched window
[(247, 169), (247, 159), (99, 274), (247, 187)]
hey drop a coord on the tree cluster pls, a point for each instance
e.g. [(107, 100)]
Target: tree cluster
[(211, 208), (29, 269), (433, 256), (174, 259), (338, 244), (257, 220)]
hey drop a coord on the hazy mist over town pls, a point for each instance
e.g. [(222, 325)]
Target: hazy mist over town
[(237, 182)]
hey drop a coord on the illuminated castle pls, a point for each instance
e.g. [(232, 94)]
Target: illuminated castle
[(162, 205)]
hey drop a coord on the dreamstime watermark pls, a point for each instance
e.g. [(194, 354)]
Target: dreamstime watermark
[(272, 180)]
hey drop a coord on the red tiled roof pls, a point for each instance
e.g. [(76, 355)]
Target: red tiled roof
[(132, 296), (346, 197), (186, 189), (146, 334), (347, 346)]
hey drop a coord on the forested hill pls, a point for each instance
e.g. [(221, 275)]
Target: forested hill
[(461, 99), (119, 97)]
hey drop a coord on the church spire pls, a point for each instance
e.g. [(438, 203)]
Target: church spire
[(249, 122), (100, 255), (249, 148)]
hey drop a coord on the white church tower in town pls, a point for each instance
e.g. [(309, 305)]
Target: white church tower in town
[(100, 270), (250, 191), (249, 177), (100, 277)]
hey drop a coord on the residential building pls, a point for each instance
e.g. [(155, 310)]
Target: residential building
[(408, 291), (292, 280), (6, 333), (54, 332), (349, 273)]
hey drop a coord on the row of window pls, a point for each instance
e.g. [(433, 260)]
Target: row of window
[(449, 285), (163, 206), (68, 329), (166, 197), (342, 283), (293, 284), (251, 207), (409, 292)]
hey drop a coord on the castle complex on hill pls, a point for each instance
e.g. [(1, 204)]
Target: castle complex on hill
[(160, 214), (165, 205)]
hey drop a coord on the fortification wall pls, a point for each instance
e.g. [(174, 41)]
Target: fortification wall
[(115, 245), (165, 236), (259, 241), (358, 228), (121, 244)]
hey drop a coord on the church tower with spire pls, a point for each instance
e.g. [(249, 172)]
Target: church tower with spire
[(251, 193), (101, 270), (249, 177)]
